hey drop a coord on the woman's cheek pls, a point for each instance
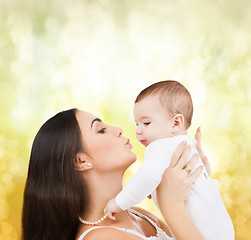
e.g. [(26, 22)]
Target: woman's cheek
[(106, 153), (104, 150)]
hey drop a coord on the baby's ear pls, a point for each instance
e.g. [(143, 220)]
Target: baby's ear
[(178, 122), (82, 162)]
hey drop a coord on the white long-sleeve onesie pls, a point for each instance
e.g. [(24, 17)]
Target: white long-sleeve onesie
[(204, 204)]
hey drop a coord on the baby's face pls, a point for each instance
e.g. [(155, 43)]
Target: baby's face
[(152, 120)]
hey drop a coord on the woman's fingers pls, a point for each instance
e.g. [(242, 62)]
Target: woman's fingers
[(183, 158), (197, 137), (207, 165), (196, 174), (177, 153), (190, 165), (203, 157)]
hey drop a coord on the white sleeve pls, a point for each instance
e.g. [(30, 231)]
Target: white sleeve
[(144, 182), (206, 208)]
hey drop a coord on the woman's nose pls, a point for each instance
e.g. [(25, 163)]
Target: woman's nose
[(119, 132)]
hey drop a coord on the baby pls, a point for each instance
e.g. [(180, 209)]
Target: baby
[(163, 113)]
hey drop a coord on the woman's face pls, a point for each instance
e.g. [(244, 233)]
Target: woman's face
[(104, 144)]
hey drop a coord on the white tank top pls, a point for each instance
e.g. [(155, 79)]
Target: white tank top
[(161, 235)]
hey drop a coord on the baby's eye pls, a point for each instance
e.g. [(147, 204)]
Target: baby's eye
[(102, 130), (147, 123)]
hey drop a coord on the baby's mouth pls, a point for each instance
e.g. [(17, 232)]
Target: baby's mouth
[(143, 142)]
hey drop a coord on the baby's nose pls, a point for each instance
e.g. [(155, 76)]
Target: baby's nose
[(138, 131)]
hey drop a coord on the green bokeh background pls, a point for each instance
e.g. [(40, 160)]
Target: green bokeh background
[(98, 55)]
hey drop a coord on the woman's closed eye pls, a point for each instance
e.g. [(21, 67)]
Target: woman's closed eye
[(102, 130), (147, 123)]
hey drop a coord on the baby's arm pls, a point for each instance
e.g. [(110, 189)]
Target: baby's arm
[(140, 186), (144, 182)]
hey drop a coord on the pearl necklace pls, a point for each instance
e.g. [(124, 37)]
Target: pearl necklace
[(93, 223)]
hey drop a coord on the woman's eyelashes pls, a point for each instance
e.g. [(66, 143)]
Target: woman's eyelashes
[(102, 130)]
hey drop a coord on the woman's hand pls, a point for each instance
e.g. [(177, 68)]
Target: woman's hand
[(176, 182), (173, 192), (203, 157)]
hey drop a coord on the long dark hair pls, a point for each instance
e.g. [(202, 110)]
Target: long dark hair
[(54, 194)]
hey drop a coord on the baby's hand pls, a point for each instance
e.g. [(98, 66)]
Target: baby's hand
[(112, 208)]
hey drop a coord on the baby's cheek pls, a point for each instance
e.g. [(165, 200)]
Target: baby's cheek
[(153, 135), (161, 133)]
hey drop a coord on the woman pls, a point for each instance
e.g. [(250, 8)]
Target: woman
[(76, 165)]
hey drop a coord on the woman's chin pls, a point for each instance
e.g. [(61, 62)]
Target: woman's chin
[(133, 159), (129, 160)]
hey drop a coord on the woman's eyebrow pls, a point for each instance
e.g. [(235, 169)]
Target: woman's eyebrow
[(94, 120)]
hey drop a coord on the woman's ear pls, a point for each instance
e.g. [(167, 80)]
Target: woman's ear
[(83, 162), (178, 122)]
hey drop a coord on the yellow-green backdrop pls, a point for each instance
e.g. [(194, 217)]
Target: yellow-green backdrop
[(97, 55)]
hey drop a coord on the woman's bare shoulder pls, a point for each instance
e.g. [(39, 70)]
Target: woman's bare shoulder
[(154, 218), (109, 233)]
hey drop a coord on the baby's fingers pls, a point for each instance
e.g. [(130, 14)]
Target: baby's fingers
[(110, 215)]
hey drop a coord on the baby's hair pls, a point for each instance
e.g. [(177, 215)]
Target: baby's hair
[(173, 96)]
